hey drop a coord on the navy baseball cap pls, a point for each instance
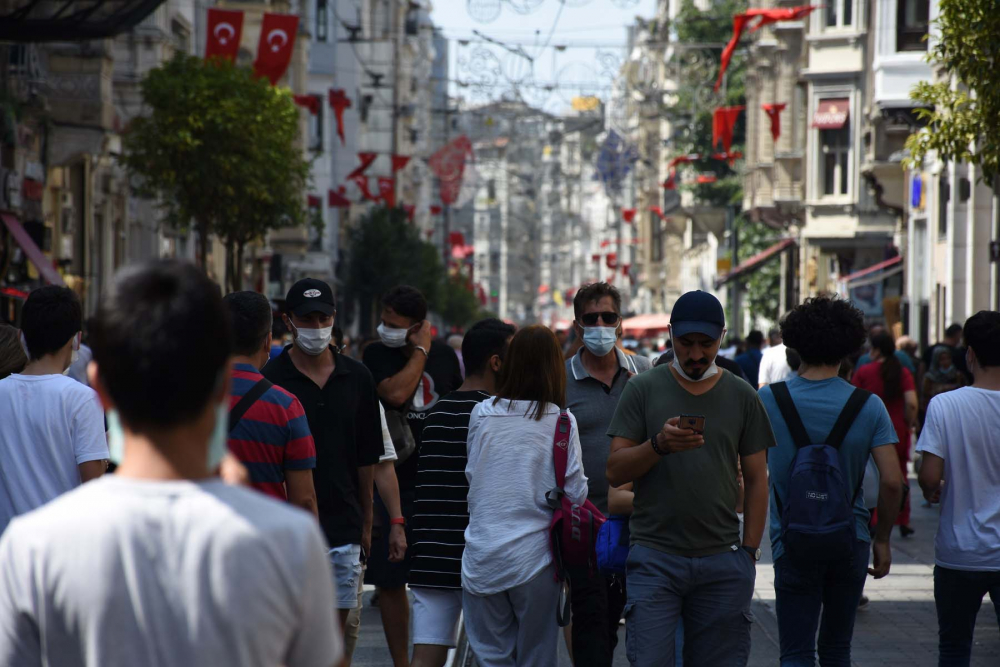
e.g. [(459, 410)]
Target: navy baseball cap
[(310, 296), (697, 312)]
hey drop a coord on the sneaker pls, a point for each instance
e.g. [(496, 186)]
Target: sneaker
[(906, 531), (863, 604)]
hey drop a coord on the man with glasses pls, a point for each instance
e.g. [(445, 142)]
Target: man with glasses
[(596, 376)]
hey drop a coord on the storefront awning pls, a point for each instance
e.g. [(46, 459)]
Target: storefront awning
[(871, 275), (70, 20), (831, 114), (31, 249), (753, 263)]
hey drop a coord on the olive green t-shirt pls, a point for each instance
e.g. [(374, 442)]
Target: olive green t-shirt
[(686, 504)]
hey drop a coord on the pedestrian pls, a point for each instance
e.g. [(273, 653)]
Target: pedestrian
[(952, 340), (724, 363), (268, 429), (12, 356), (596, 377), (816, 570), (442, 513), (888, 379), (411, 372), (942, 374), (163, 563), (774, 361), (687, 559), (749, 361), (867, 358), (959, 445), (52, 439), (341, 406), (509, 590)]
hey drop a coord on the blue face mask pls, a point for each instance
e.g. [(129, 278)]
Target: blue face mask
[(600, 340), (217, 444)]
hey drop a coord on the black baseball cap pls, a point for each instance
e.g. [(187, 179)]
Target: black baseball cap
[(310, 296), (697, 312)]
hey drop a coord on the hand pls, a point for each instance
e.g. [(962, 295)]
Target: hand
[(366, 538), (397, 544), (422, 336), (881, 559), (673, 440), (233, 472), (935, 495)]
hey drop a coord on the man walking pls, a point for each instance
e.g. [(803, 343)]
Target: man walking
[(268, 429), (817, 407), (959, 444), (163, 563), (442, 512), (774, 365), (341, 406), (596, 377), (749, 361), (411, 373), (678, 432), (52, 434)]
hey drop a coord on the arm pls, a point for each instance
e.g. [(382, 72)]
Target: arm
[(620, 499), (890, 498), (910, 407), (301, 490), (631, 460), (366, 479), (90, 442), (931, 476), (756, 497), (576, 481), (398, 389), (92, 470), (388, 491)]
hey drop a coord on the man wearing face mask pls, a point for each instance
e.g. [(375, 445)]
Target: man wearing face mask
[(687, 558), (52, 434), (596, 376), (163, 563), (411, 373), (338, 395)]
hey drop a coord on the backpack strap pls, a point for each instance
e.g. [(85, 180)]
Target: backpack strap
[(249, 398), (847, 416), (560, 448), (791, 416)]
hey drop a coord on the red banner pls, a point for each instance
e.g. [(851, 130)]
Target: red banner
[(310, 102), (362, 182), (225, 27), (338, 199), (277, 41), (366, 161), (770, 16), (387, 191), (723, 121), (739, 23), (399, 162), (338, 102), (773, 112), (628, 215), (448, 164), (314, 201)]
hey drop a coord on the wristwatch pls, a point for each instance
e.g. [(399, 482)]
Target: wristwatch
[(656, 446), (422, 349), (754, 553)]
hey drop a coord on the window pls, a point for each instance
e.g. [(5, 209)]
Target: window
[(316, 129), (839, 13), (944, 198), (322, 21), (912, 17), (182, 36), (835, 147)]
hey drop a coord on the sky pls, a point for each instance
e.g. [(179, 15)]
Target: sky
[(593, 33)]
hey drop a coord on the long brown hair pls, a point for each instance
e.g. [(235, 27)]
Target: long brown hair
[(892, 369), (533, 370)]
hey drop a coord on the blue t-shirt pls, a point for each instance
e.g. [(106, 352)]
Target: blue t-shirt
[(749, 361), (819, 403)]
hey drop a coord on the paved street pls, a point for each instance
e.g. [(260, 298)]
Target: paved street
[(899, 629)]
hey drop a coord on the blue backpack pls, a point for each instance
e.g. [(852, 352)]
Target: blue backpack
[(613, 544), (817, 515)]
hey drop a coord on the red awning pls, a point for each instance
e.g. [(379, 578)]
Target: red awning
[(831, 114), (752, 264), (34, 253), (871, 269)]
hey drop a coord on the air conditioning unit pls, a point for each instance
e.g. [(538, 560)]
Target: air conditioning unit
[(66, 200)]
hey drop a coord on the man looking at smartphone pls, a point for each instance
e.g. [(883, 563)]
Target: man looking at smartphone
[(595, 379), (687, 559)]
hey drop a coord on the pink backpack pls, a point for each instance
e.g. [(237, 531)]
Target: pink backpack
[(574, 528)]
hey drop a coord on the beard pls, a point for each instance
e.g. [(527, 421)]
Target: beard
[(695, 368)]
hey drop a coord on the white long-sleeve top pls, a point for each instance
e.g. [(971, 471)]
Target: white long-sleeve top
[(510, 469)]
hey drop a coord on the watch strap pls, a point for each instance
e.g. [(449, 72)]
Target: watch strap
[(422, 349)]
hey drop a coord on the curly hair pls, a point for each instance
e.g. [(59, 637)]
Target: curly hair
[(824, 330)]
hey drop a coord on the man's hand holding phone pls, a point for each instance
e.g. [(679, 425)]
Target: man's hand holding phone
[(673, 439)]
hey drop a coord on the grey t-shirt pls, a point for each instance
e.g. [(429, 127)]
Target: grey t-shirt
[(121, 572), (593, 404), (686, 504)]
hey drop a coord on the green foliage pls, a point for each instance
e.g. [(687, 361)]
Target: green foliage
[(962, 122), (763, 287), (457, 304), (219, 147)]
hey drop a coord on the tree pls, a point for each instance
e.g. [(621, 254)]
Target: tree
[(763, 286), (219, 148), (458, 305), (962, 119)]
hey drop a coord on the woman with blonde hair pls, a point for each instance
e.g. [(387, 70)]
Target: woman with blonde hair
[(510, 593)]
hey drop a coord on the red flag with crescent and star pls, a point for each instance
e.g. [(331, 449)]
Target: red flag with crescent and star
[(339, 101), (277, 41), (773, 112), (387, 191), (225, 27), (362, 182)]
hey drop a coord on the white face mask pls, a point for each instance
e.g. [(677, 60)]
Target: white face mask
[(599, 341), (392, 337), (217, 443), (313, 341), (709, 372)]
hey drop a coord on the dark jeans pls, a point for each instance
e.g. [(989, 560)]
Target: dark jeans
[(958, 595), (598, 602), (803, 589)]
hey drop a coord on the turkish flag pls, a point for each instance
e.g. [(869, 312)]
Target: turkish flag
[(339, 101), (773, 112), (225, 27), (314, 201), (611, 260), (628, 215), (310, 102), (366, 161), (387, 191), (362, 182), (399, 162), (436, 210), (739, 23), (274, 50), (336, 198), (723, 121)]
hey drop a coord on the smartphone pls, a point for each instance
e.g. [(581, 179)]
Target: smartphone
[(694, 422)]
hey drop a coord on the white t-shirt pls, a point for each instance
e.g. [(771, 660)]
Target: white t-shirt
[(390, 450), (126, 573), (51, 424), (774, 365), (510, 469), (961, 428)]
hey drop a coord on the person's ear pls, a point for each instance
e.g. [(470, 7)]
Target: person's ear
[(94, 379), (496, 363)]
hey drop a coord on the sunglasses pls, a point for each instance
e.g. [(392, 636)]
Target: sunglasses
[(610, 318)]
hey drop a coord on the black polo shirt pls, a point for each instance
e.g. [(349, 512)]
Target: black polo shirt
[(345, 424)]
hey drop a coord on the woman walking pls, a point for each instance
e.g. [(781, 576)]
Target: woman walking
[(942, 376), (510, 593), (887, 378)]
